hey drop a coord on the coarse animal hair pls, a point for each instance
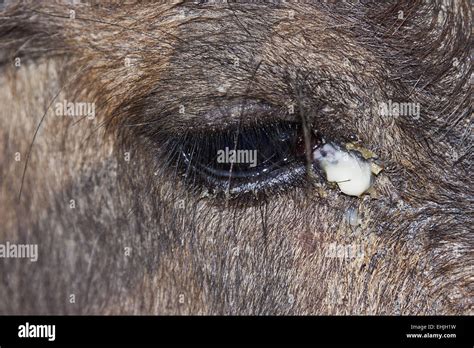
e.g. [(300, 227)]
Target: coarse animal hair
[(132, 237)]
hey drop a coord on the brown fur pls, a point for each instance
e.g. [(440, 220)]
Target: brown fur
[(337, 61)]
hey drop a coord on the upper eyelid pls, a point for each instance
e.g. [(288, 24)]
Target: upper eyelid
[(213, 113)]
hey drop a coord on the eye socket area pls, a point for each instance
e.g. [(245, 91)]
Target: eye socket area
[(249, 159)]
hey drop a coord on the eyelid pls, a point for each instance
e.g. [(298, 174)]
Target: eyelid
[(211, 114), (275, 175)]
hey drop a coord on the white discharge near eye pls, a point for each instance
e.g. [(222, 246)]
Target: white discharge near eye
[(352, 174)]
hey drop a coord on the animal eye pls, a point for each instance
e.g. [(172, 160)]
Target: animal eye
[(240, 160)]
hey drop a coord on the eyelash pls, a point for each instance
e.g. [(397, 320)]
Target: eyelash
[(280, 151)]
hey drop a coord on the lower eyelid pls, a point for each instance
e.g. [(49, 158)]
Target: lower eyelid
[(290, 177)]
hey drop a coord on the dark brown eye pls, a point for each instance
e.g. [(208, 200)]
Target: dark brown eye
[(241, 160)]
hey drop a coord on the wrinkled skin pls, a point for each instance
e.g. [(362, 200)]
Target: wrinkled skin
[(127, 247)]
